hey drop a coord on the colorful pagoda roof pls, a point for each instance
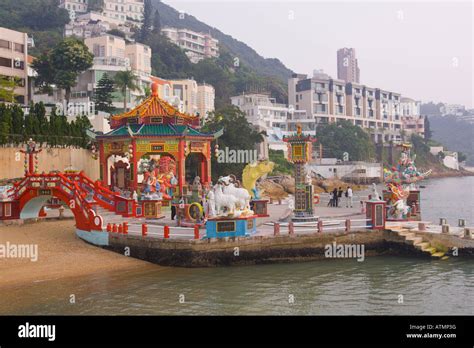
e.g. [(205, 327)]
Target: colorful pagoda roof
[(299, 137), (154, 106), (157, 130)]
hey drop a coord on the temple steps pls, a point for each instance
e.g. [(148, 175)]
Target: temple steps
[(424, 246)]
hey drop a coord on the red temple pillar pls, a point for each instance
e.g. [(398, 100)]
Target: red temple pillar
[(181, 161), (208, 159), (103, 163), (203, 170), (134, 173)]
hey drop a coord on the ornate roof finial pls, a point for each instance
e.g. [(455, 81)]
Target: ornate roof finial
[(298, 129), (154, 89)]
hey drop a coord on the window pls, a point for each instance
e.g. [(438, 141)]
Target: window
[(20, 99), (20, 48), (5, 44), (5, 62)]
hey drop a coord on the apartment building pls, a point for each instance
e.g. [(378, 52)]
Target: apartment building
[(412, 121), (205, 100), (111, 55), (187, 95), (347, 65), (94, 24), (452, 109), (139, 56), (14, 61), (115, 12), (74, 6), (186, 91), (330, 100), (277, 120), (124, 10), (197, 45), (86, 29)]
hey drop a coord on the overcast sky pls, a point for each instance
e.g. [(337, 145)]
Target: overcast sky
[(423, 50)]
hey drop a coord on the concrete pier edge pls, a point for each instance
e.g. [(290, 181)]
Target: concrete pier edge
[(274, 249)]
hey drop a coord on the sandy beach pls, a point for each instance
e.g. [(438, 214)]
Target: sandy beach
[(60, 254)]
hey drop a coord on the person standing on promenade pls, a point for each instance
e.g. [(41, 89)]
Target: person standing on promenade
[(349, 195), (339, 195), (335, 199)]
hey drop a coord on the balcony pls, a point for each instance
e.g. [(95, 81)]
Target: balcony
[(112, 61)]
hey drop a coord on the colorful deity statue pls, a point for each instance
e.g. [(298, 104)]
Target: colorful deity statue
[(405, 172), (400, 180), (159, 180), (166, 176)]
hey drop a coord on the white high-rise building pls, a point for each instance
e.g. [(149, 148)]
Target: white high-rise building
[(329, 100), (205, 100), (275, 119), (197, 45)]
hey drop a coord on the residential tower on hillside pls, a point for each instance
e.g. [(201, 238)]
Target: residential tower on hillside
[(197, 45)]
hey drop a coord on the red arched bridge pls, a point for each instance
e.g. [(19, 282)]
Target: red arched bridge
[(87, 199)]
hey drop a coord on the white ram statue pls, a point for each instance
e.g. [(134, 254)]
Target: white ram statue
[(231, 187), (222, 201)]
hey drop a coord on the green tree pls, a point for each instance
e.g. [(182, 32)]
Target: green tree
[(103, 94), (343, 136), (168, 60), (116, 32), (96, 5), (156, 23), (63, 64), (17, 124), (7, 89), (461, 156), (238, 134), (44, 14), (146, 94), (282, 165), (428, 131), (6, 123), (145, 30), (126, 81)]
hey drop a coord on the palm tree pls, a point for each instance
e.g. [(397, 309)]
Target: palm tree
[(146, 94), (126, 80)]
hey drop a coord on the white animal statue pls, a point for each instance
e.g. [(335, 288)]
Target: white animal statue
[(211, 204), (224, 200), (375, 193), (230, 188)]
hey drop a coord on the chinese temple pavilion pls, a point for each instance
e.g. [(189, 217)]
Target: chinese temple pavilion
[(154, 129)]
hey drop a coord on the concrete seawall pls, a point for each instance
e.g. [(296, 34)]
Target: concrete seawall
[(260, 250)]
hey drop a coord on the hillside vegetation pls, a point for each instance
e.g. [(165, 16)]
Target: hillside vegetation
[(455, 134), (41, 19), (247, 55)]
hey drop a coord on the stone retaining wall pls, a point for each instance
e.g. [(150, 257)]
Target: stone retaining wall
[(255, 250)]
